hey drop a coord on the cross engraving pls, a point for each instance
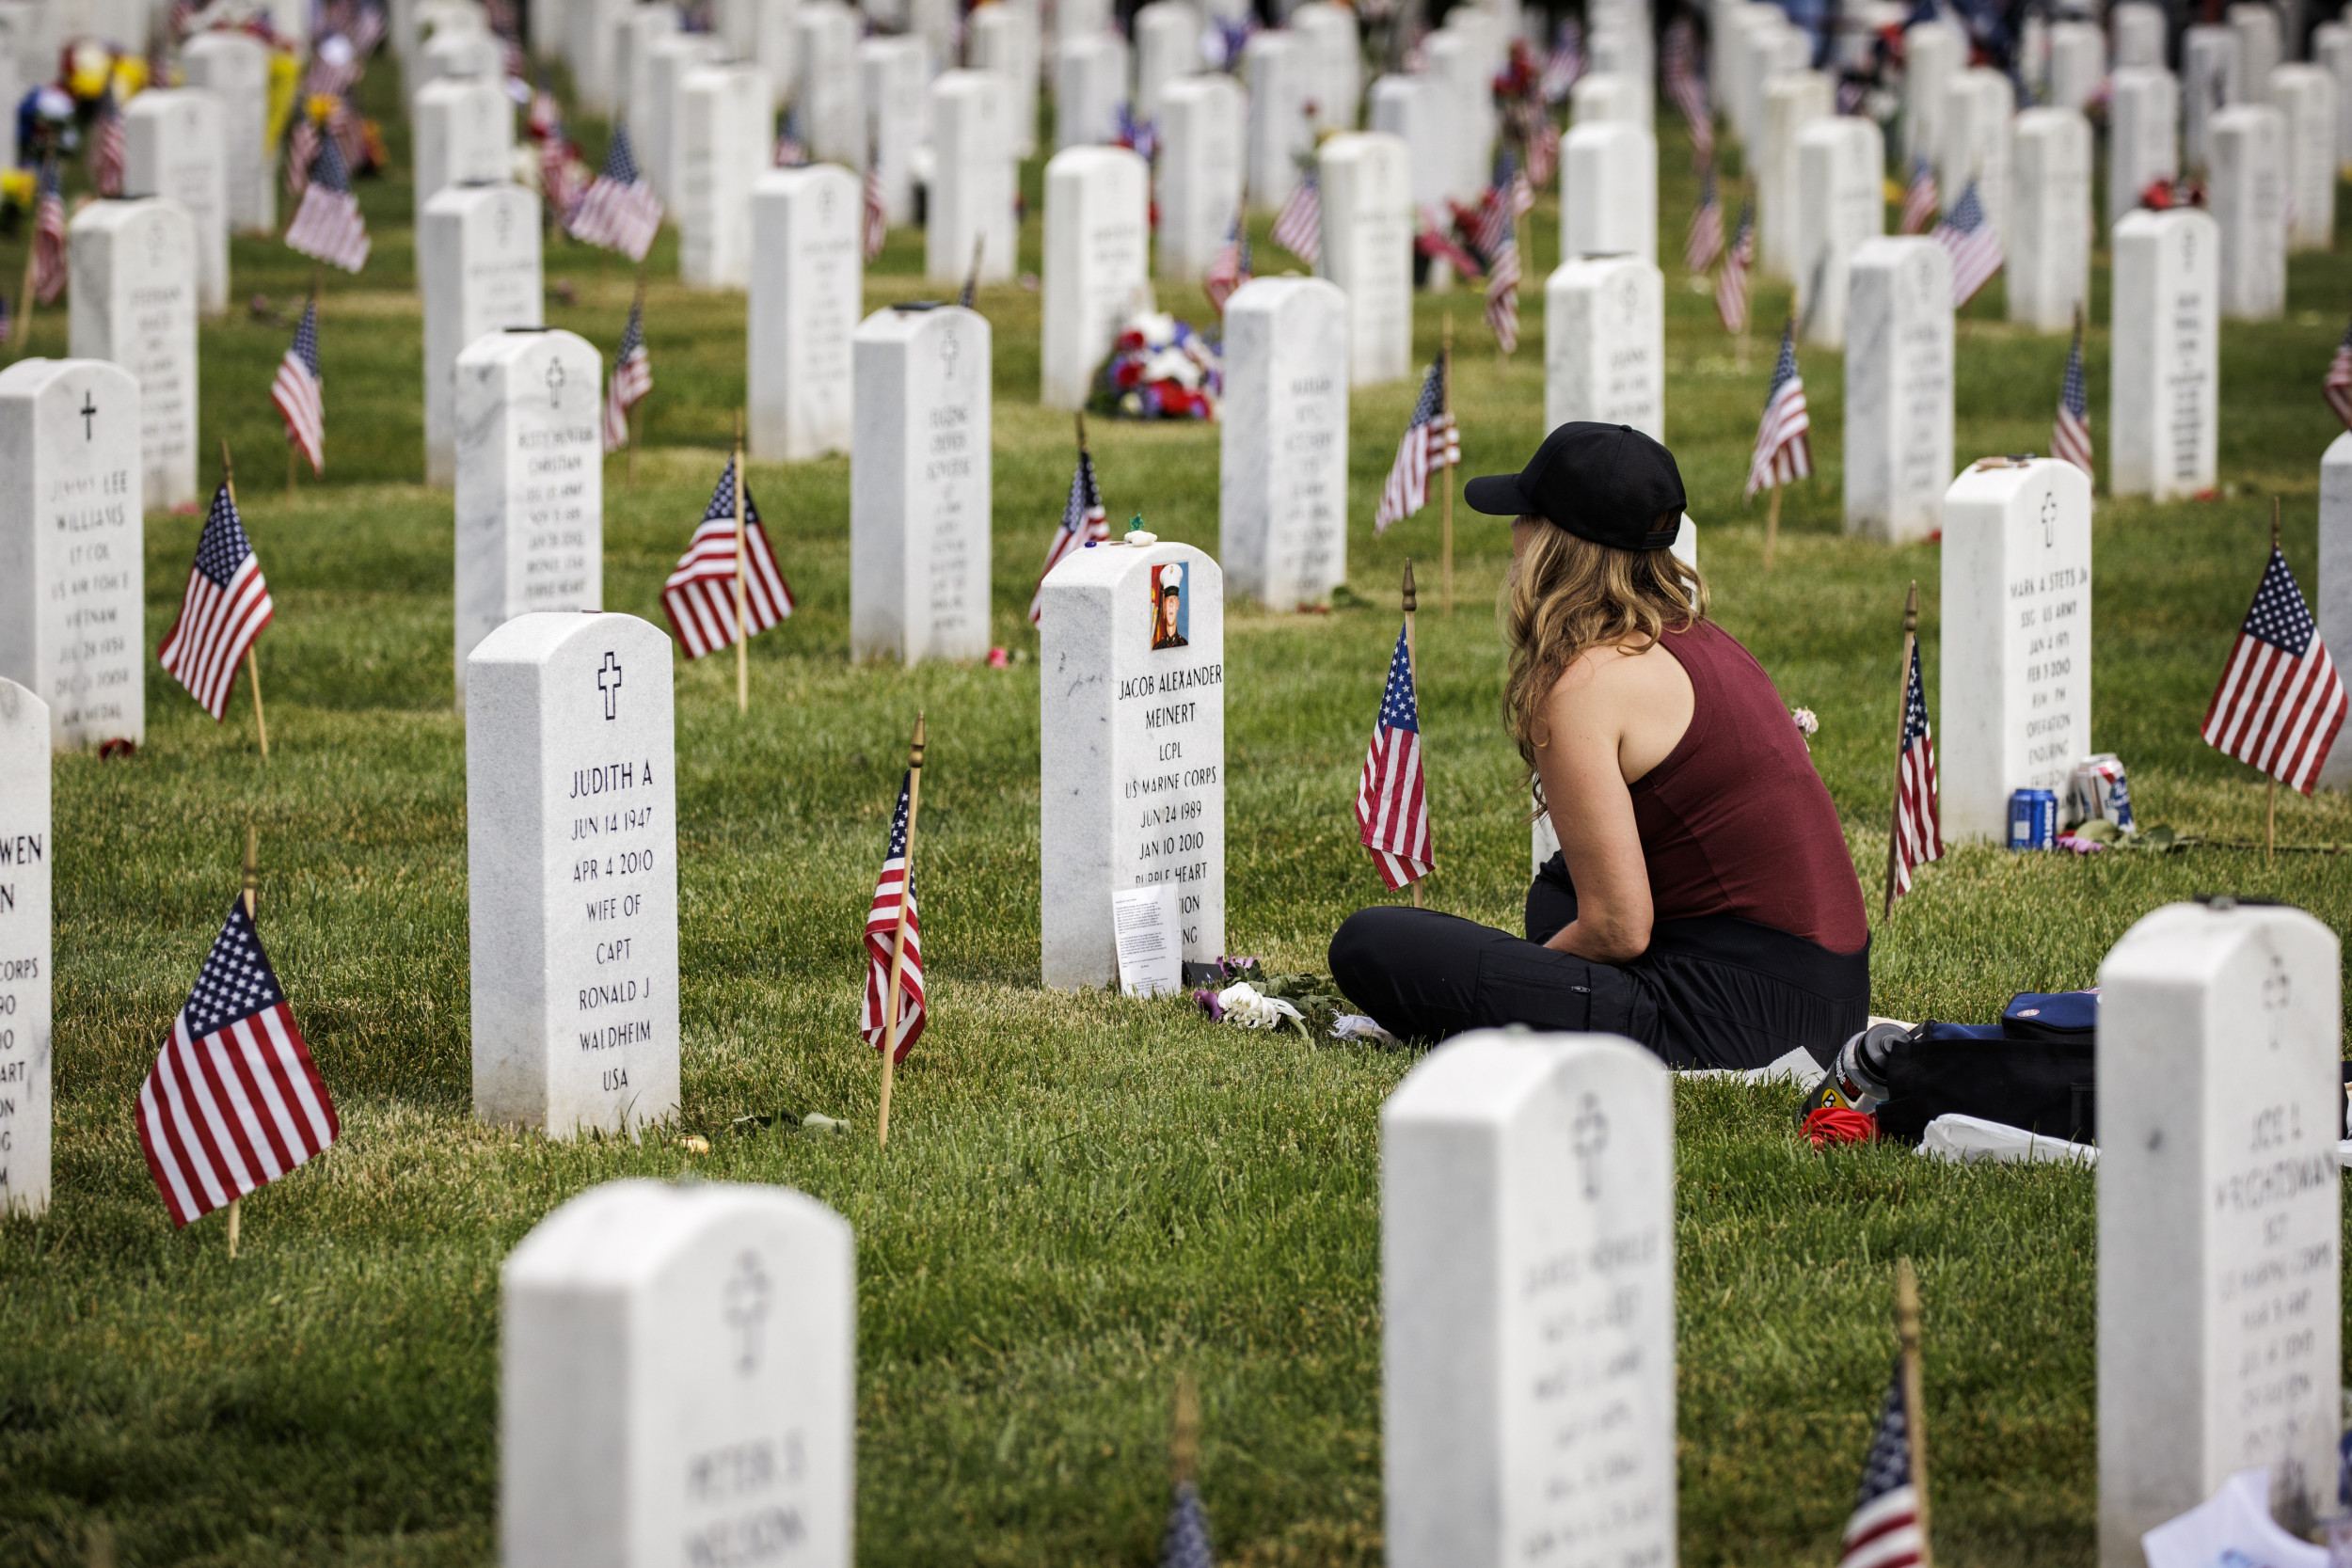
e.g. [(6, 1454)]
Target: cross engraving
[(2277, 995), (948, 349), (611, 687), (1590, 1133), (745, 1307), (555, 383), (2049, 521), (89, 412)]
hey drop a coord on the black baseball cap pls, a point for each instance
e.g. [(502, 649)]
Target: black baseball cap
[(1606, 483)]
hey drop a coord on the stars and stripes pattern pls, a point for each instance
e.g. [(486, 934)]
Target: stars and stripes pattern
[(2070, 436), (561, 182), (1431, 442), (1393, 801), (877, 212), (233, 1101), (302, 149), (225, 607), (327, 225), (2338, 386), (1918, 804), (619, 210), (1298, 227), (1706, 240), (1496, 237), (108, 146), (631, 379), (1919, 198), (881, 936), (1563, 63), (1973, 243), (1438, 241), (700, 595), (1503, 296), (1687, 88), (1883, 1531), (1783, 450), (1228, 269), (2280, 703), (1731, 283), (1083, 521), (297, 391), (49, 249)]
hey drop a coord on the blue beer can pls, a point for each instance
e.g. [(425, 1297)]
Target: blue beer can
[(2033, 819)]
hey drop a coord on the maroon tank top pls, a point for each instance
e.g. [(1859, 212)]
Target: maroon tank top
[(1737, 820)]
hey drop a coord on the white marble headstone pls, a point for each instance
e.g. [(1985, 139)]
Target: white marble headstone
[(634, 33), (1609, 191), (2139, 29), (2015, 690), (2305, 97), (1898, 387), (2164, 425), (1934, 53), (172, 148), (2334, 599), (1098, 241), (571, 855), (895, 75), (2211, 80), (726, 138), (1282, 478), (677, 1369), (133, 301), (1276, 70), (1978, 104), (2256, 25), (588, 48), (463, 131), (1131, 750), (1367, 179), (530, 481), (2143, 134), (1605, 345), (1168, 48), (1600, 95), (1792, 100), (1418, 109), (969, 204), (1841, 177), (2331, 48), (1457, 62), (2078, 63), (1335, 53), (459, 54), (1089, 84), (654, 127), (2047, 243), (1003, 38), (1202, 135), (1527, 1267), (830, 97), (26, 975), (478, 259), (2247, 190), (771, 46), (808, 283), (72, 546), (234, 68), (2220, 1207), (919, 477)]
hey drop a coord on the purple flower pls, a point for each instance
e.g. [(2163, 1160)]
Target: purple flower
[(1206, 997)]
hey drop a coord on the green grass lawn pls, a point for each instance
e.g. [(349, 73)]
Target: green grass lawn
[(1085, 1196)]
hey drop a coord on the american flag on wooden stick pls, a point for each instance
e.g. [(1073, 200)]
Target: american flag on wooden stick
[(619, 212), (1083, 519), (1228, 269), (327, 225), (297, 391), (233, 1101), (633, 378), (2338, 387), (2070, 436), (2280, 703), (876, 210), (881, 936), (1687, 88), (1705, 241), (1503, 296), (1392, 799), (1431, 442), (1973, 243), (108, 148), (1298, 227), (1883, 1531), (1919, 198), (1918, 805), (1731, 283), (1783, 450), (700, 594), (49, 250), (225, 607)]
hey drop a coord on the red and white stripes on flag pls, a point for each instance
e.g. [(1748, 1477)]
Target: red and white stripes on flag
[(2338, 387), (1968, 232), (2280, 703), (2070, 432), (700, 594), (225, 607), (1431, 442), (1392, 799), (882, 938), (1731, 284), (1918, 805), (1298, 227), (877, 213), (49, 250), (327, 225), (1083, 522), (108, 146), (631, 379), (1783, 451), (297, 393), (1883, 1531), (619, 210), (233, 1101), (1919, 198), (1706, 239)]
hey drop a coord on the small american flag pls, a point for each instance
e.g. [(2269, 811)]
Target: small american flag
[(225, 607), (1082, 520), (107, 149), (233, 1101), (2280, 703), (1566, 61), (1186, 1543), (881, 936), (633, 378), (1883, 1531), (1228, 269), (1393, 801), (1431, 441), (1783, 450), (2338, 387), (2070, 436), (1705, 241), (301, 149), (1685, 86), (877, 212), (1919, 198), (367, 31), (1918, 807), (1503, 296), (1438, 241), (561, 173), (619, 210), (1975, 244), (327, 225), (1298, 227), (1731, 284), (792, 151), (49, 252), (700, 594), (1139, 137), (297, 391)]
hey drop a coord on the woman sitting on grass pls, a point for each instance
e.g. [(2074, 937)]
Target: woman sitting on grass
[(1703, 901)]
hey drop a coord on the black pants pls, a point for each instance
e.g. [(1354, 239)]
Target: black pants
[(1716, 992)]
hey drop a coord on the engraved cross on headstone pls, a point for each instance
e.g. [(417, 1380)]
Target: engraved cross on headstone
[(746, 1308), (1590, 1133), (611, 687), (2278, 992), (89, 412), (2049, 521), (555, 383), (948, 349)]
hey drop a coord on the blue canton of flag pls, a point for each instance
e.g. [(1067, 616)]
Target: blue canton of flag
[(1393, 801), (1883, 1531)]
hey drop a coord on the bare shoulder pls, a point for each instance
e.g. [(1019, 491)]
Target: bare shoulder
[(1632, 671)]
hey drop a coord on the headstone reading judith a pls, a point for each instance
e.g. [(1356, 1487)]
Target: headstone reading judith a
[(2047, 243), (530, 481), (678, 1372), (1098, 243), (1282, 475), (2335, 578), (2219, 1213), (1201, 136), (2143, 134), (2017, 670), (1840, 180), (1609, 192), (1367, 184), (172, 148), (808, 284), (2247, 189), (133, 303), (1527, 1253), (478, 259), (968, 206), (1605, 345), (1132, 709), (26, 975), (919, 476), (72, 546), (464, 134), (1898, 387), (2165, 404), (571, 856), (724, 128), (234, 68), (2305, 97), (1003, 38), (1089, 84)]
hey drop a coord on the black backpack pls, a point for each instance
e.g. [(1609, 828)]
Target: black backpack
[(2038, 1069)]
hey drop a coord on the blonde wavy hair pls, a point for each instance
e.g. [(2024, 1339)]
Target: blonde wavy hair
[(1567, 594)]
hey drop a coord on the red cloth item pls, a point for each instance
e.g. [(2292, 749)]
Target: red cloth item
[(1837, 1124)]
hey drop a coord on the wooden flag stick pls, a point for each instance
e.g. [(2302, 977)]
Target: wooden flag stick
[(2270, 781), (636, 419), (1914, 1400), (253, 665), (1895, 824), (1772, 528), (252, 882), (898, 938), (971, 279), (1445, 515), (1184, 1440), (1082, 432), (742, 624)]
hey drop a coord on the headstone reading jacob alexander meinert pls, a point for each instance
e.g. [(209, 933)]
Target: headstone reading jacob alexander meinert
[(25, 981), (133, 303)]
